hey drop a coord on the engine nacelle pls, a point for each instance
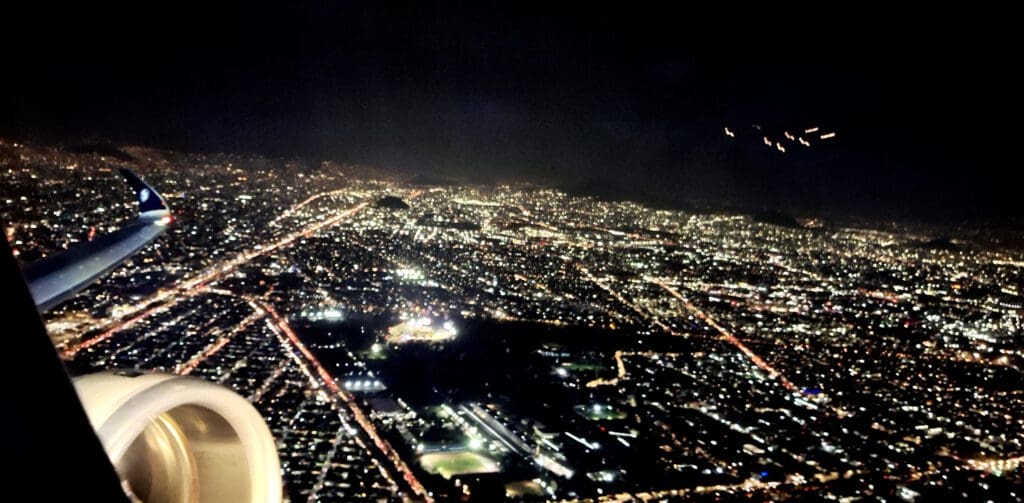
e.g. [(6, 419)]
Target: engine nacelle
[(181, 439)]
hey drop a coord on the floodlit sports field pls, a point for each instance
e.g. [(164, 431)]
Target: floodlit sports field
[(457, 463), (600, 412), (420, 330)]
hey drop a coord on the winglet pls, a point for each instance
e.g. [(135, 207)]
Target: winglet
[(148, 198)]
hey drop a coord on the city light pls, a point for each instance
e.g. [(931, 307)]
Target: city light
[(549, 340)]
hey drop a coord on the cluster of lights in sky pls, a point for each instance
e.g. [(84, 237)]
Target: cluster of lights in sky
[(799, 138)]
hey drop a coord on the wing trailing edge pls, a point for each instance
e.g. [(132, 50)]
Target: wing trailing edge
[(55, 278)]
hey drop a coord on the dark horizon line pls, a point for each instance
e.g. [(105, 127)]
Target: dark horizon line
[(595, 187)]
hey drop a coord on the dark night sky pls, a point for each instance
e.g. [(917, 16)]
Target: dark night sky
[(633, 95)]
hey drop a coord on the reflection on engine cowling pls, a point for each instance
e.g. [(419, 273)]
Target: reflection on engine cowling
[(180, 439)]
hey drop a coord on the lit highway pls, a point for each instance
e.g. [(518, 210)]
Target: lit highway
[(336, 393), (195, 284), (728, 336)]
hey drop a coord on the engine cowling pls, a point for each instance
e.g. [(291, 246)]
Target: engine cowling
[(181, 439)]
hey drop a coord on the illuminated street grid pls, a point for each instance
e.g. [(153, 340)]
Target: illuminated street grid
[(739, 357)]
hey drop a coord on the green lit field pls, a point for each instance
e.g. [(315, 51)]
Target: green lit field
[(600, 412), (584, 366), (376, 351), (457, 463)]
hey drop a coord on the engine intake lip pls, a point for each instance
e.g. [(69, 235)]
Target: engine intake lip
[(176, 438)]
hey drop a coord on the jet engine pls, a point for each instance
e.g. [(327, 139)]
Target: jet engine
[(181, 439)]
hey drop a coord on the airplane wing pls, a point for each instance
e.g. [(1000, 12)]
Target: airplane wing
[(55, 278)]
